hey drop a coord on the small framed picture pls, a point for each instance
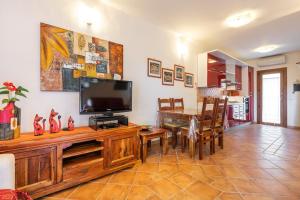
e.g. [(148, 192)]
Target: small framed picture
[(154, 68), (167, 76), (179, 73), (189, 80)]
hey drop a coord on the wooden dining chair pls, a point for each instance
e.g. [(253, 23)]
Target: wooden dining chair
[(206, 128), (170, 124), (178, 104), (219, 122), (205, 132)]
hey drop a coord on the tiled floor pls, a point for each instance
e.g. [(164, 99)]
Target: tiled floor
[(257, 163)]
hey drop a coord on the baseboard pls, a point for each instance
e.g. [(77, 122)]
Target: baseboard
[(294, 127)]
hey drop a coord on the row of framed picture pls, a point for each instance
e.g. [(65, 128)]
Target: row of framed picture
[(168, 76)]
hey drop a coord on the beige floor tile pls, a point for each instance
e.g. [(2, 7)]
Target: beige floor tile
[(182, 180), (139, 193), (87, 191), (124, 177), (223, 184), (164, 188), (230, 196), (184, 196), (246, 186), (145, 178), (166, 170), (114, 192), (203, 191), (212, 170), (64, 193)]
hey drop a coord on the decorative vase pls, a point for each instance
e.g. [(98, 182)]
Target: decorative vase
[(10, 122)]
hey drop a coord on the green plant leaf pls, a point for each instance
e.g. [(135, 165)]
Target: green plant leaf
[(22, 89), (21, 94), (14, 99), (4, 92), (2, 88), (5, 101)]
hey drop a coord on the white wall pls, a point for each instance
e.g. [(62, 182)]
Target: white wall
[(20, 56), (293, 100)]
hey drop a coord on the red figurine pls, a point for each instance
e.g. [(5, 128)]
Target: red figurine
[(70, 124), (38, 129), (54, 127)]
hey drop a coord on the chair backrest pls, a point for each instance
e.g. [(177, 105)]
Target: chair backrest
[(178, 104), (165, 104), (208, 116), (221, 111)]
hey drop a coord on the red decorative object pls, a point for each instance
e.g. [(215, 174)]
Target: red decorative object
[(70, 124), (38, 129), (6, 194), (10, 115), (54, 126)]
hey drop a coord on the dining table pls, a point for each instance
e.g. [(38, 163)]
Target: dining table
[(182, 115)]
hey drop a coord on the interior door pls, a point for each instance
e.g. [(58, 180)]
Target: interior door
[(272, 97), (251, 93)]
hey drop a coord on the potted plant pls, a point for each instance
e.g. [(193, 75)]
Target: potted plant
[(10, 115)]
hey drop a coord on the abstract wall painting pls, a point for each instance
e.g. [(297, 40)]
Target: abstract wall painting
[(66, 56)]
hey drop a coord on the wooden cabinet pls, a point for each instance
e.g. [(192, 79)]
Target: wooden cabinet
[(35, 169), (238, 77), (121, 149), (53, 162)]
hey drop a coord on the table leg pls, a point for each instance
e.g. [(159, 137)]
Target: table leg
[(165, 143), (144, 149), (192, 148)]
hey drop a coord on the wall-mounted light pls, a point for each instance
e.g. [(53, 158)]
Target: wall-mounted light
[(182, 46), (88, 15)]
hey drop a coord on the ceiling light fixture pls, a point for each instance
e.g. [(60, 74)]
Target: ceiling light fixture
[(240, 19), (266, 48)]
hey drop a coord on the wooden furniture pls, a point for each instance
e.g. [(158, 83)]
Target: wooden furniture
[(221, 108), (152, 134), (250, 116), (178, 104), (168, 123), (205, 132), (53, 162)]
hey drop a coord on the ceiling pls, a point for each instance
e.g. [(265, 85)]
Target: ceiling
[(277, 22)]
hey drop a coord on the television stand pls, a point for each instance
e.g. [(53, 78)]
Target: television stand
[(106, 122)]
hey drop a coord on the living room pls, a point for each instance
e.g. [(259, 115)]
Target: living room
[(52, 49)]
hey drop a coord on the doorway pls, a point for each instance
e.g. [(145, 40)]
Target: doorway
[(272, 97)]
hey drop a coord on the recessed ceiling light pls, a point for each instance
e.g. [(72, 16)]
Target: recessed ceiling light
[(240, 19), (267, 48)]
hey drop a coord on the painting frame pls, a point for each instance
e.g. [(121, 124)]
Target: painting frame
[(187, 78), (182, 73), (163, 73), (150, 68)]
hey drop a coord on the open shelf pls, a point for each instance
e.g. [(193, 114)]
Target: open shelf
[(82, 148), (83, 160)]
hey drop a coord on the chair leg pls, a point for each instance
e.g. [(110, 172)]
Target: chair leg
[(174, 139), (182, 139), (161, 141), (200, 148), (149, 143), (221, 140)]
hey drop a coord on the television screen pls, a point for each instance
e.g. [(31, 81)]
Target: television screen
[(105, 96)]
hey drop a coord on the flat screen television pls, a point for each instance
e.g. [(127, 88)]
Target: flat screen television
[(101, 96)]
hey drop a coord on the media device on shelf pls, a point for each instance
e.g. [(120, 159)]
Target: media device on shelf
[(105, 97)]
